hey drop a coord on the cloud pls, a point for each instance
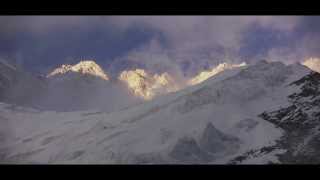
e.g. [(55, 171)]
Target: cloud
[(202, 41), (190, 43), (186, 31), (193, 31), (302, 44), (284, 55), (38, 25), (154, 57), (310, 45), (284, 23)]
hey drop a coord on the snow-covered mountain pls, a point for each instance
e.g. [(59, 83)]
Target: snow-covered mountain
[(204, 75), (139, 82), (260, 113), (146, 85), (86, 86), (20, 87), (313, 64), (87, 67), (81, 86)]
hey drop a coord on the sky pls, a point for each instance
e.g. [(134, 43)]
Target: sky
[(179, 44)]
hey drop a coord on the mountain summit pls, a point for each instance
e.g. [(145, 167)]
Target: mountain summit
[(313, 64), (87, 67), (146, 85), (204, 75), (83, 86)]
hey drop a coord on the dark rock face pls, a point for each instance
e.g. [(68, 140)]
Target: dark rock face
[(255, 81), (303, 112), (212, 143), (187, 150), (310, 86), (301, 122)]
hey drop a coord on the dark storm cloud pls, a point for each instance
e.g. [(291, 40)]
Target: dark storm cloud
[(199, 42), (296, 45), (185, 42), (308, 33), (262, 39), (40, 42)]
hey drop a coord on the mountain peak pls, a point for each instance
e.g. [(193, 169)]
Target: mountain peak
[(204, 75), (313, 64), (86, 64), (84, 67), (146, 85)]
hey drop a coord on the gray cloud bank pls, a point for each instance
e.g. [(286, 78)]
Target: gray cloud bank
[(182, 44)]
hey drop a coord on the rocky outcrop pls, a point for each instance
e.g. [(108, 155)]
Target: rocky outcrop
[(212, 143), (301, 122)]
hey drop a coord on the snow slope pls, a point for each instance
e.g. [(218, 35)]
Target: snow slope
[(216, 121), (18, 86), (313, 64), (202, 76)]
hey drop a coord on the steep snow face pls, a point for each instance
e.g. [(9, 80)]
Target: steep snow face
[(217, 121), (83, 67), (85, 86), (147, 86), (69, 88), (202, 76), (85, 94), (300, 120), (250, 83), (7, 74), (18, 86), (313, 64)]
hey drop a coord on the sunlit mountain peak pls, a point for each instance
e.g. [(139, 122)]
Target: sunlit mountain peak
[(83, 67), (313, 64), (146, 85), (204, 75)]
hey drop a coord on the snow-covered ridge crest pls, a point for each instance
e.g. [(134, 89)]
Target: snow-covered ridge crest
[(313, 64), (204, 75), (147, 85), (83, 67)]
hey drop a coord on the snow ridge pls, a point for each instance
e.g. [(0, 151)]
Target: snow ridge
[(313, 64), (84, 67)]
